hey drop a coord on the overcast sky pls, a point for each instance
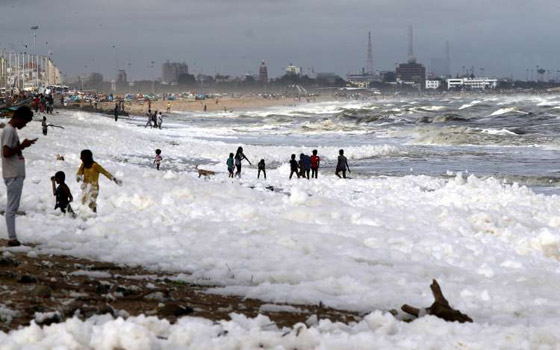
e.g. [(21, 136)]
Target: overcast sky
[(505, 37)]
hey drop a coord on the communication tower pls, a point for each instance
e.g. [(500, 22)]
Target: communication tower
[(369, 66)]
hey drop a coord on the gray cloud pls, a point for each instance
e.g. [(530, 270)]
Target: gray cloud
[(505, 37)]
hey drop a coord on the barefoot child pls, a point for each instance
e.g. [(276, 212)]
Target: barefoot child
[(89, 172), (239, 156), (261, 167), (230, 165), (62, 193), (158, 159), (342, 164), (294, 166), (315, 162)]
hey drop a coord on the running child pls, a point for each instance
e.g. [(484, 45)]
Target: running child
[(62, 193), (89, 173), (158, 159), (261, 167), (230, 165), (315, 162)]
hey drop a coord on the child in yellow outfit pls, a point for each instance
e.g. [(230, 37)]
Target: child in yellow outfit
[(89, 172)]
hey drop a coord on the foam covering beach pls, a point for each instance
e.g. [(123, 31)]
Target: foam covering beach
[(369, 244)]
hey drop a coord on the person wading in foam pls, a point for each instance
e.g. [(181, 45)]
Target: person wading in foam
[(89, 172), (315, 162), (239, 156), (342, 165)]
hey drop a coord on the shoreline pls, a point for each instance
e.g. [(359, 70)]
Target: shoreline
[(225, 104)]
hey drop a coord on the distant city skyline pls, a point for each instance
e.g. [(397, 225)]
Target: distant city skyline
[(500, 38)]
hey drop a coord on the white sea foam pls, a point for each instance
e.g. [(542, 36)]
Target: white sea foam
[(363, 244), (500, 132), (507, 110), (470, 104)]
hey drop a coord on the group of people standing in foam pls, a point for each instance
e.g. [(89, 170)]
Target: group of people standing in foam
[(307, 167), (312, 163)]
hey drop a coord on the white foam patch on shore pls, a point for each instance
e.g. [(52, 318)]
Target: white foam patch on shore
[(361, 244), (381, 329)]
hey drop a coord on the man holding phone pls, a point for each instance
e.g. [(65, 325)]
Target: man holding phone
[(13, 167)]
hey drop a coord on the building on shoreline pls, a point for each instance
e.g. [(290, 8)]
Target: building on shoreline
[(362, 79), (22, 71), (263, 72), (293, 70), (433, 84), (170, 71), (411, 73), (472, 83)]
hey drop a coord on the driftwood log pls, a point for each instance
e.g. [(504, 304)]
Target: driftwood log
[(440, 308)]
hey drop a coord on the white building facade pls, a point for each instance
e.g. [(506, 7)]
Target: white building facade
[(433, 84), (472, 84)]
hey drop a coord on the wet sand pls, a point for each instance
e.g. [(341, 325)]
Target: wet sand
[(222, 104)]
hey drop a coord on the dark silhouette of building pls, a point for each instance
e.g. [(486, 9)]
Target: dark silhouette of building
[(121, 77), (170, 71), (411, 73), (263, 72)]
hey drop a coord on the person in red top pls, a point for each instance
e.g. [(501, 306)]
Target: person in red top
[(315, 161)]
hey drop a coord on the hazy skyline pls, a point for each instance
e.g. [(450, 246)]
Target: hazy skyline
[(232, 37)]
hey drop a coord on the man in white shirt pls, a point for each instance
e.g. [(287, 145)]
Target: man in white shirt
[(13, 167)]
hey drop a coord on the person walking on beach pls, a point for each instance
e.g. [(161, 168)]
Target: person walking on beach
[(89, 173), (149, 122), (50, 100), (262, 167), (230, 165), (44, 125), (158, 158), (342, 164), (239, 156), (168, 107), (62, 193), (294, 166), (36, 103), (315, 162), (154, 119), (116, 111), (159, 120), (13, 167)]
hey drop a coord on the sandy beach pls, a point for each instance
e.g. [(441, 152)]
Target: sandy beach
[(222, 104)]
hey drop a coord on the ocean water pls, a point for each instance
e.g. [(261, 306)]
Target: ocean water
[(512, 138)]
